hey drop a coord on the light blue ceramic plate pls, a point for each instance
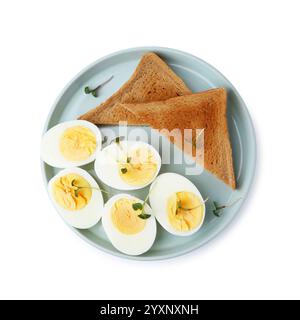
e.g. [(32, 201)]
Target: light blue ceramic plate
[(199, 76)]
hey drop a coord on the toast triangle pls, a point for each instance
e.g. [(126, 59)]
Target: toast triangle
[(152, 80), (205, 110)]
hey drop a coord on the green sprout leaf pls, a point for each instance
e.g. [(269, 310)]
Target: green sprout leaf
[(179, 204), (141, 206), (104, 140), (117, 140), (137, 206), (87, 90), (123, 170), (144, 216), (218, 211)]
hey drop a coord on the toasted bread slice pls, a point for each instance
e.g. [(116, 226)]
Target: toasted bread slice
[(205, 110), (152, 80)]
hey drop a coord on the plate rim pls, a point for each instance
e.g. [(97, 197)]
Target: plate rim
[(252, 139)]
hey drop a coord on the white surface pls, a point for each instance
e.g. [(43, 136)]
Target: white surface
[(255, 44)]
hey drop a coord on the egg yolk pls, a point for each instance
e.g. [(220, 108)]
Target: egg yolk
[(77, 143), (125, 218), (72, 192), (185, 211), (138, 168)]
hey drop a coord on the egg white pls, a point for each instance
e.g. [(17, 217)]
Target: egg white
[(106, 165), (161, 189), (50, 150), (135, 244), (89, 215)]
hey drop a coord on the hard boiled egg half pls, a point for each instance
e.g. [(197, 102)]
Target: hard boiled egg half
[(127, 165), (71, 144), (127, 231), (177, 204), (77, 197)]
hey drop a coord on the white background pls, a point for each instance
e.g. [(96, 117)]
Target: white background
[(254, 43)]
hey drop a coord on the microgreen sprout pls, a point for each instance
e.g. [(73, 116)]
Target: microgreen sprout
[(88, 90), (78, 188), (104, 140), (218, 209), (180, 207), (118, 139), (141, 206)]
